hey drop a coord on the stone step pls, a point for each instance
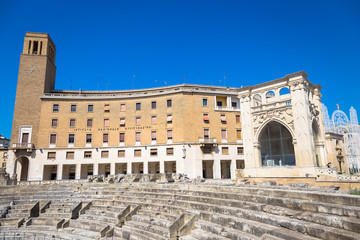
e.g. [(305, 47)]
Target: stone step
[(161, 231), (81, 233), (132, 233), (98, 218), (152, 220), (9, 221), (158, 214), (86, 224), (42, 228), (205, 235), (57, 215), (224, 231), (48, 221), (110, 211)]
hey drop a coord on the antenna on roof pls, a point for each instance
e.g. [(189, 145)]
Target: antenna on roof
[(165, 83), (133, 81), (155, 83), (224, 77)]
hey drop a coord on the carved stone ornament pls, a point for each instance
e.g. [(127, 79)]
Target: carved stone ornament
[(286, 115), (298, 84), (314, 112)]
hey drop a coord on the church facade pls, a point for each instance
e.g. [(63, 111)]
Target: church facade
[(274, 129)]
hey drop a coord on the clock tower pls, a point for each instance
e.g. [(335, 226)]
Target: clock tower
[(36, 77)]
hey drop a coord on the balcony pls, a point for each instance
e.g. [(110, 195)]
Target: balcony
[(229, 109), (21, 146), (207, 142), (271, 106)]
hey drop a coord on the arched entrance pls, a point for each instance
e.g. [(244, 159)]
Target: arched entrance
[(22, 168), (276, 145)]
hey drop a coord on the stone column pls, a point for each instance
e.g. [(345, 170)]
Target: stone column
[(146, 167), (299, 89), (59, 171), (217, 169), (78, 171), (112, 168), (162, 167), (129, 167), (96, 169)]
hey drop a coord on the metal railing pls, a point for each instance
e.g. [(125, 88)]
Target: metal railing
[(23, 146)]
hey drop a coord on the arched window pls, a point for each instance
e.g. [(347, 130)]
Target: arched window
[(257, 100), (270, 94), (284, 91), (276, 146)]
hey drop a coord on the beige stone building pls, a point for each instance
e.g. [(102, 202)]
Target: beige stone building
[(272, 129)]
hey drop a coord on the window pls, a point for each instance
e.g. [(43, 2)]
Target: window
[(122, 137), (89, 122), (206, 133), (169, 134), (71, 138), (238, 134), (88, 138), (153, 105), (121, 153), (225, 150), (169, 119), (138, 106), (223, 134), (153, 152), (122, 107), (51, 155), (234, 104), (70, 155), (90, 108), (223, 118), (104, 154), (219, 104), (153, 119), (72, 122), (137, 136), (73, 108), (169, 103), (107, 108), (106, 122), (205, 102), (54, 122), (137, 153), (55, 107), (169, 151), (240, 150), (105, 137), (153, 135), (122, 122), (138, 121), (87, 154), (237, 118), (53, 138), (206, 117)]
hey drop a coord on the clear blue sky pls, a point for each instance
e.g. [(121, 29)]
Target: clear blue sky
[(102, 44)]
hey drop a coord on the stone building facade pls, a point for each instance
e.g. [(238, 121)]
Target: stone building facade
[(272, 129)]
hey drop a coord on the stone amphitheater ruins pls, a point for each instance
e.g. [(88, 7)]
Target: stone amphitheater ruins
[(176, 162)]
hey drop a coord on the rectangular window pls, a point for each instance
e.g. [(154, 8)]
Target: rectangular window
[(238, 134), (73, 108), (223, 134), (87, 154), (71, 138), (122, 107), (107, 108), (169, 134), (55, 107), (88, 138), (89, 122), (51, 155), (138, 121), (106, 122), (206, 117), (72, 122), (121, 153), (122, 137), (104, 154), (240, 150), (122, 122), (206, 133), (219, 104), (237, 118), (153, 119), (137, 153), (70, 155), (234, 104), (153, 152), (105, 137), (169, 151), (169, 119), (90, 108), (153, 136), (54, 122), (53, 138), (223, 118), (225, 150), (137, 136), (153, 105), (205, 102), (138, 106), (169, 103)]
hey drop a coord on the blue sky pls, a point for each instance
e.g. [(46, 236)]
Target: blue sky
[(102, 44)]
